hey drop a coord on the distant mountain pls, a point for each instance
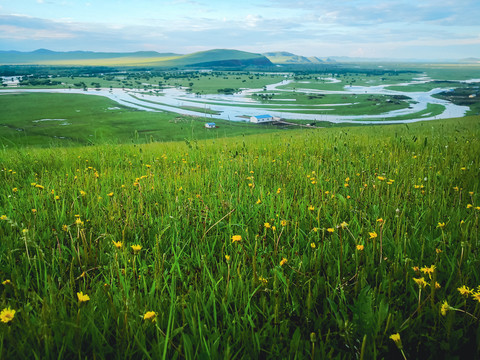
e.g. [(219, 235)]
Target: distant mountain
[(470, 60), (283, 57), (211, 58)]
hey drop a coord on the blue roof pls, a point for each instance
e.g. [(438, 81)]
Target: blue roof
[(210, 123), (263, 116)]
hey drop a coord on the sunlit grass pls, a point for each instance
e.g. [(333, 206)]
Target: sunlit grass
[(298, 244)]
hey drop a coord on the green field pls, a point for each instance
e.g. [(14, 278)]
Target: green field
[(73, 119), (303, 244)]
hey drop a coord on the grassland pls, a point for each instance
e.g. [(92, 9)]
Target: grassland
[(44, 119), (304, 244)]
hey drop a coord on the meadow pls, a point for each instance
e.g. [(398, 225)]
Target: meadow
[(357, 242), (44, 119)]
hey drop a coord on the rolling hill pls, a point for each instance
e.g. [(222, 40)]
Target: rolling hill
[(210, 58), (283, 57)]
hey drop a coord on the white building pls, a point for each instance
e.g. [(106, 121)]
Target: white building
[(210, 125), (261, 118)]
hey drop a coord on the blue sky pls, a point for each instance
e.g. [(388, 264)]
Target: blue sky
[(421, 29)]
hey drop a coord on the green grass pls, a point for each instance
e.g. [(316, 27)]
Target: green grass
[(91, 119), (425, 87), (289, 289)]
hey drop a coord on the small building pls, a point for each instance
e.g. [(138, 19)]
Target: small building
[(261, 118), (210, 125)]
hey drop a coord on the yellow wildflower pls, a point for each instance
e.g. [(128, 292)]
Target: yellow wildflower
[(283, 222), (476, 295), (236, 238), (259, 201), (381, 178), (343, 225), (279, 190), (110, 194), (283, 261), (267, 225), (6, 282), (136, 248), (82, 297), (150, 316), (4, 217), (263, 280), (441, 225), (428, 270), (465, 291), (227, 257), (437, 285), (397, 340), (65, 228), (330, 230), (469, 206), (380, 220), (445, 307), (311, 208), (312, 245), (117, 244), (360, 247), (7, 315), (420, 282)]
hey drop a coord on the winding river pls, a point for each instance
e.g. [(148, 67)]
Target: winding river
[(236, 107)]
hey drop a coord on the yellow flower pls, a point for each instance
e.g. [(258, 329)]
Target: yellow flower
[(441, 225), (283, 261), (381, 178), (445, 307), (437, 285), (227, 257), (267, 225), (38, 186), (263, 280), (476, 295), (465, 291), (397, 340), (416, 268), (259, 201), (360, 247), (420, 282), (7, 315), (65, 228), (236, 238), (82, 297), (438, 251), (373, 235), (343, 225), (4, 217), (312, 245), (83, 193), (34, 211), (79, 222), (117, 244), (315, 229), (311, 208), (330, 230), (110, 194), (469, 206), (150, 316), (380, 220), (279, 190), (283, 222), (14, 189), (428, 270), (136, 248), (6, 282)]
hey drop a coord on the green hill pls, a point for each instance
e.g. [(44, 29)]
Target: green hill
[(218, 57), (283, 57)]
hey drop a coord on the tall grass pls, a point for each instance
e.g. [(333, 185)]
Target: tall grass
[(297, 285)]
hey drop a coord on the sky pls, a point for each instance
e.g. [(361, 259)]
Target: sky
[(395, 29)]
